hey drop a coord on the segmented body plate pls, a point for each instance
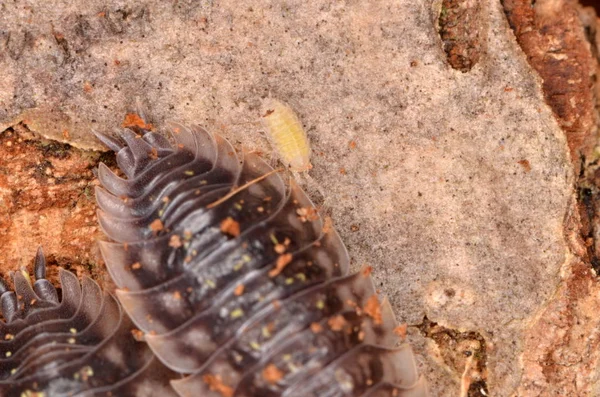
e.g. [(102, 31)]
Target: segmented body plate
[(81, 345), (237, 281)]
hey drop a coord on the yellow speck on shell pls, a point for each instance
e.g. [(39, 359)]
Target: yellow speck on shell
[(237, 313)]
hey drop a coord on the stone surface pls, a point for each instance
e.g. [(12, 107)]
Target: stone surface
[(454, 186)]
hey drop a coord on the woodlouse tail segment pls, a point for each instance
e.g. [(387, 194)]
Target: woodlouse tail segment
[(42, 287), (236, 280), (76, 345)]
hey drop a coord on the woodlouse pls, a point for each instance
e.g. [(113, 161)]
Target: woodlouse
[(80, 345), (287, 135), (236, 280)]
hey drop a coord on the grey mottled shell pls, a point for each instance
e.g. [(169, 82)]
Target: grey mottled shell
[(81, 345), (244, 291)]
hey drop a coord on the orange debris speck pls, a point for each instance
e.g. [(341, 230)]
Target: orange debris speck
[(175, 241), (307, 214), (401, 331), (133, 120), (525, 164), (138, 335), (272, 374), (215, 383), (156, 225), (373, 309), (136, 266), (337, 323), (66, 134), (352, 145), (316, 328), (239, 290), (282, 262), (230, 226), (366, 271), (87, 86), (153, 153)]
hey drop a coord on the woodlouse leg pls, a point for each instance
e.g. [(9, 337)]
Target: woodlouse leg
[(314, 189)]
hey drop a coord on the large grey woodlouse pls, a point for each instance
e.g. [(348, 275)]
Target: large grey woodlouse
[(236, 280)]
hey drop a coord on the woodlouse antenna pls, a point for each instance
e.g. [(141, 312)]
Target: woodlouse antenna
[(244, 186)]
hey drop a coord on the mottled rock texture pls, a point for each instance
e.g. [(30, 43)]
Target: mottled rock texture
[(440, 161)]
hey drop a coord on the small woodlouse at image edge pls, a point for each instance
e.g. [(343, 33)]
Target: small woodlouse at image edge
[(231, 283)]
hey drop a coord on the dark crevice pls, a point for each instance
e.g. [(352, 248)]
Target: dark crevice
[(587, 197), (588, 184)]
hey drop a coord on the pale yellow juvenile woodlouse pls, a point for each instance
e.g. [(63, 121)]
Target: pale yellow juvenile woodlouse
[(286, 134), (289, 139)]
